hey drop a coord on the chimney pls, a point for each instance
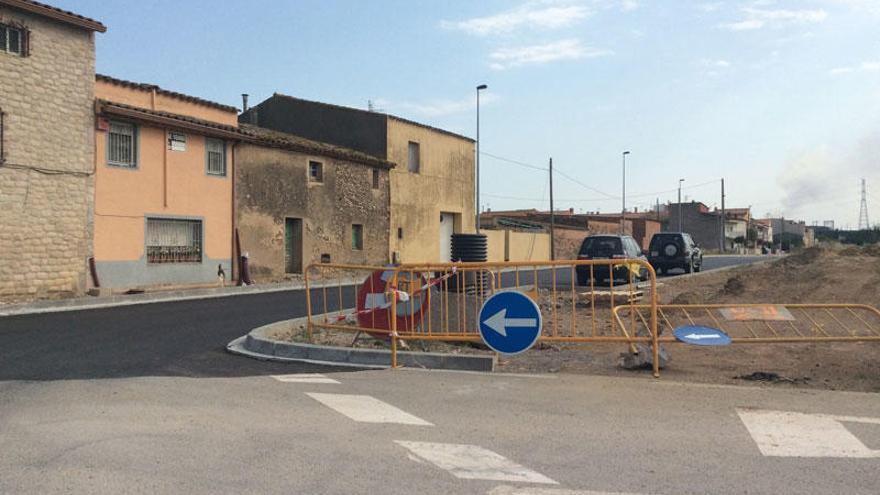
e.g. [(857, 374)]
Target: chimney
[(571, 211), (244, 105)]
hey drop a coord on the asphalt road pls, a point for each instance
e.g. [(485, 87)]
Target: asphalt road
[(185, 338), (144, 399), (404, 432)]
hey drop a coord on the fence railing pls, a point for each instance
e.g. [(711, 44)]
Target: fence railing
[(441, 301)]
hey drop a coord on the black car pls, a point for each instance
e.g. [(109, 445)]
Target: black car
[(670, 250), (601, 247)]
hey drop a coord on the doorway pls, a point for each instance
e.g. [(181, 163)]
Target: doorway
[(447, 228), (293, 244)]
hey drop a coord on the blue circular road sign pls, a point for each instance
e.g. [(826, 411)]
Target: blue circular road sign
[(510, 322), (700, 335)]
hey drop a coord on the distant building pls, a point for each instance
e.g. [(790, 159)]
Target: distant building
[(47, 149), (432, 186), (576, 226)]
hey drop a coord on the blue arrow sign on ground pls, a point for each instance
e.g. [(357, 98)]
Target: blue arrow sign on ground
[(510, 322), (700, 335)]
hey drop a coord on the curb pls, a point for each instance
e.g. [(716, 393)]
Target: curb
[(86, 303), (257, 345)]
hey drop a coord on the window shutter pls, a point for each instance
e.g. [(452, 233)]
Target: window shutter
[(25, 42)]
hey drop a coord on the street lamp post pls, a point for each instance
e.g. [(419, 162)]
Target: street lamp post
[(479, 88), (623, 196), (680, 228)]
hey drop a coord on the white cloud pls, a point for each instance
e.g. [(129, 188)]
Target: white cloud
[(437, 107), (715, 64), (868, 66), (629, 5), (761, 18), (532, 15), (709, 7), (568, 49)]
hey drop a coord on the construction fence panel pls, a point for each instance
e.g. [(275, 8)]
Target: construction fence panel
[(763, 323), (442, 301)]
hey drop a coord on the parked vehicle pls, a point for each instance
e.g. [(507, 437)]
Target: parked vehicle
[(671, 250), (601, 247)]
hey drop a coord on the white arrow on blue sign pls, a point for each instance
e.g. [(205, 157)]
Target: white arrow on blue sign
[(700, 335), (510, 322)]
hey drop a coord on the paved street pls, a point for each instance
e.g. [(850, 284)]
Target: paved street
[(185, 338), (144, 399), (429, 432)]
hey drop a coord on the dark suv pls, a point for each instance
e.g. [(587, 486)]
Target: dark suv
[(600, 247), (670, 250)]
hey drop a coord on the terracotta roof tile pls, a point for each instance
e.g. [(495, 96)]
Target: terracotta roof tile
[(150, 87)]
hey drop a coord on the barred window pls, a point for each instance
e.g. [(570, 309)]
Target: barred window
[(122, 145), (174, 241), (13, 40), (215, 156)]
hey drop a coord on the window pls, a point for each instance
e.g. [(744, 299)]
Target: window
[(316, 171), (174, 241), (13, 40), (400, 232), (413, 164), (215, 157), (122, 145), (357, 237), (375, 179)]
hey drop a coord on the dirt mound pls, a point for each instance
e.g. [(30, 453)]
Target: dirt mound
[(871, 250), (815, 275)]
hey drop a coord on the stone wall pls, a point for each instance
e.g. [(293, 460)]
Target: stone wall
[(272, 185), (47, 181)]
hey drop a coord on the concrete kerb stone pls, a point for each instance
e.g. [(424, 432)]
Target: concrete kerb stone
[(257, 344), (86, 303)]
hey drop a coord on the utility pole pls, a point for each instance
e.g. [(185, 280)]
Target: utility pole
[(623, 196), (863, 209), (479, 88), (680, 228), (723, 219), (552, 217), (658, 209)]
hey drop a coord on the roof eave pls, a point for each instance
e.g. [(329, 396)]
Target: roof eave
[(56, 14), (109, 109)]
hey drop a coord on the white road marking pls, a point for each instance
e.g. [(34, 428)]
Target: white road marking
[(366, 409), (304, 378), (792, 434), (473, 463), (510, 490)]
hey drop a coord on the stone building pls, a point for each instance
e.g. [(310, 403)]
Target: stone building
[(432, 186), (299, 201), (163, 200), (47, 149)]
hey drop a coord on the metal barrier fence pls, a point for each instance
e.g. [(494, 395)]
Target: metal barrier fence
[(441, 301), (763, 323)]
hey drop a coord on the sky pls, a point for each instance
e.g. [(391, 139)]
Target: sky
[(779, 98)]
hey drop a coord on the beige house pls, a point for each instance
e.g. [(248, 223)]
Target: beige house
[(299, 202), (431, 187), (47, 149)]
